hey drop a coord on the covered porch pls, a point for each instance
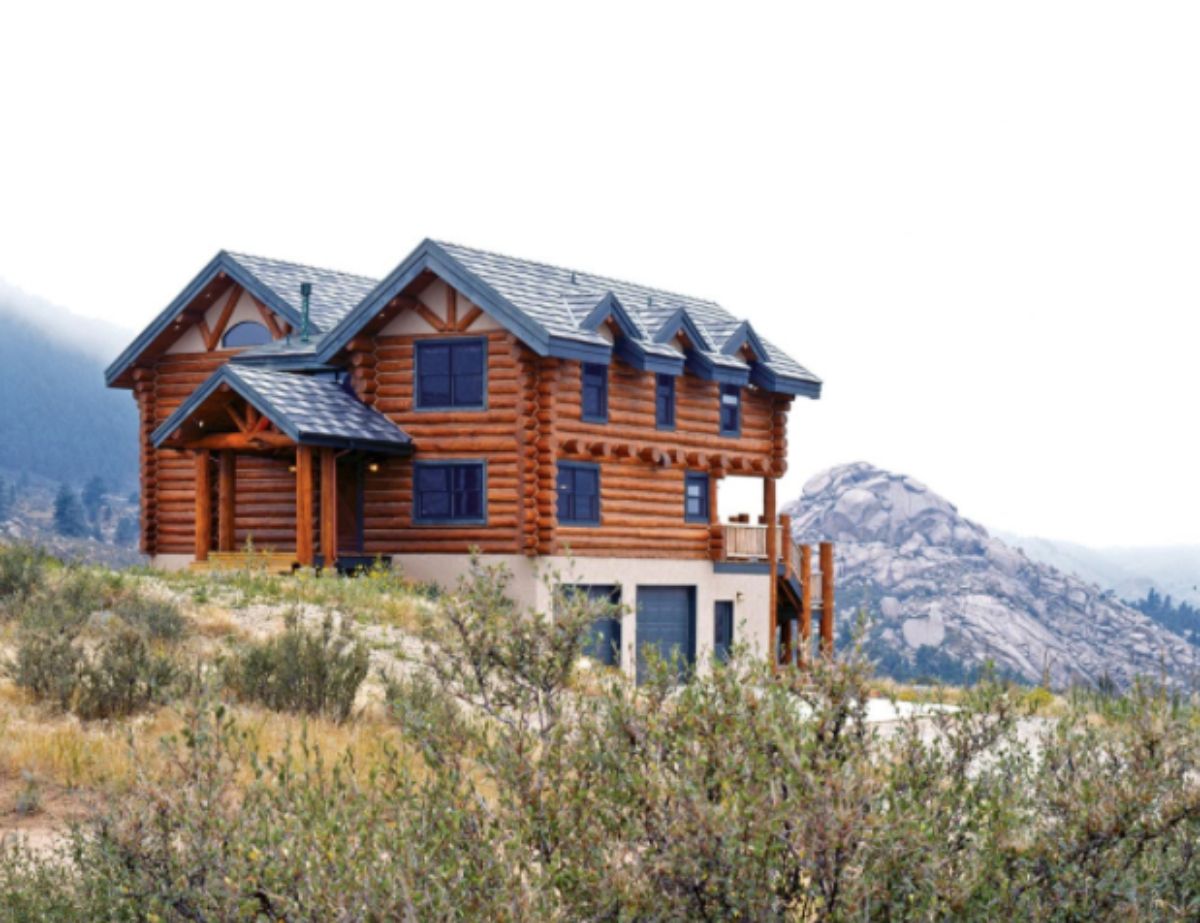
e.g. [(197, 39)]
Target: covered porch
[(309, 426)]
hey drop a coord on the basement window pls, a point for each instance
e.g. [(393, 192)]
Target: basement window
[(449, 492), (595, 393), (578, 494), (451, 374)]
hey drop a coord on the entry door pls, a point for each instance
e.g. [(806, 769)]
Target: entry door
[(350, 504), (722, 629), (666, 623), (604, 641)]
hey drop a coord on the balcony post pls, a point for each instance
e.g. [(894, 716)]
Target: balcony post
[(304, 505), (827, 599), (203, 505)]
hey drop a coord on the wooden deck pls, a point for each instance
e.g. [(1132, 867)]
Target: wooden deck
[(267, 562)]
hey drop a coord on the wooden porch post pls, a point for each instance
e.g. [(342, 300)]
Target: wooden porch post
[(772, 555), (716, 549), (226, 505), (329, 525), (304, 505), (827, 599), (785, 554), (203, 506)]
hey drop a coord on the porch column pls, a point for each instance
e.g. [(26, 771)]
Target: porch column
[(329, 529), (805, 604), (769, 514), (716, 549), (827, 599), (304, 505), (203, 505), (226, 494)]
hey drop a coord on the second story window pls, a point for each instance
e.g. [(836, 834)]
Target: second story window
[(664, 402), (595, 392), (578, 494), (449, 492), (731, 410), (695, 497), (451, 374)]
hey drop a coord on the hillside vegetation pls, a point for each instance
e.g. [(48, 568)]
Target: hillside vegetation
[(244, 747), (57, 419)]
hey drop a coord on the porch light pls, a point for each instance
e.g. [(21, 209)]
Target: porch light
[(292, 469), (373, 467)]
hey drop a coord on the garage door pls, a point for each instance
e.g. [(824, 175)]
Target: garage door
[(666, 622)]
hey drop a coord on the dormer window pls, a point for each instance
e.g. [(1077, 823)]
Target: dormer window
[(731, 410), (247, 333), (595, 393)]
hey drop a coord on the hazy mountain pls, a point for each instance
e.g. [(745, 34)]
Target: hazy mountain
[(1130, 572), (945, 596), (57, 419)]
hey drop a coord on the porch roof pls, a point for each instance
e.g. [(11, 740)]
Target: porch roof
[(308, 409)]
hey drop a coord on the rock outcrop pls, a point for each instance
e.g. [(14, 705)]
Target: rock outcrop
[(933, 581)]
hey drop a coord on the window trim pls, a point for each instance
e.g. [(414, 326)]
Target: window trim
[(574, 465), (669, 425), (419, 522), (688, 478), (723, 390), (584, 368), (418, 345)]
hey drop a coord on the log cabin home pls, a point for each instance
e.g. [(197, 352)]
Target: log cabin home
[(543, 416)]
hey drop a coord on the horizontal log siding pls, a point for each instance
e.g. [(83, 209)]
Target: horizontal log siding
[(641, 505), (496, 434), (266, 501)]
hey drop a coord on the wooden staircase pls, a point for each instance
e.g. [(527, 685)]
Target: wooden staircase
[(793, 638)]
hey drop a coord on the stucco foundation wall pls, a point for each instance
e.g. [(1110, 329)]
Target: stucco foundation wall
[(749, 593), (172, 562)]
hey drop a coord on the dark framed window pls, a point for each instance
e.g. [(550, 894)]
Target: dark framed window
[(731, 410), (578, 494), (247, 333), (451, 373), (722, 629), (695, 497), (449, 492), (595, 392), (664, 401)]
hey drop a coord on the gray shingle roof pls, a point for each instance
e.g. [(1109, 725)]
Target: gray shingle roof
[(334, 294), (553, 296), (311, 410)]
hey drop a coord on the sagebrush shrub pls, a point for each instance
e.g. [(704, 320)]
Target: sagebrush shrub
[(22, 572), (119, 677), (157, 618), (312, 671)]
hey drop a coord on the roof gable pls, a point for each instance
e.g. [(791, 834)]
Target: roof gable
[(309, 410)]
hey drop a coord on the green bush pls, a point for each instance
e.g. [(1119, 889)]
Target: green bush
[(157, 618), (22, 572), (119, 677), (315, 672)]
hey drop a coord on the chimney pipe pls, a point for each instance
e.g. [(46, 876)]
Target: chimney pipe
[(305, 292)]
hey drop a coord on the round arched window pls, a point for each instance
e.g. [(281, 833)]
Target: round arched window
[(247, 333)]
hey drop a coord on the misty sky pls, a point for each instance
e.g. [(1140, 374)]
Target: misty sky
[(979, 224)]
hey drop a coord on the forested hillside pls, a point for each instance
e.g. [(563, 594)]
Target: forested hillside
[(56, 417)]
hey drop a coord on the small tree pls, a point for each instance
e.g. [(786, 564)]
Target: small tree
[(93, 498), (127, 531), (69, 518)]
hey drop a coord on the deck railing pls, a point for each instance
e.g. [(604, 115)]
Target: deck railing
[(744, 542)]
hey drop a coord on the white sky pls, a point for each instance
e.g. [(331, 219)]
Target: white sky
[(978, 223)]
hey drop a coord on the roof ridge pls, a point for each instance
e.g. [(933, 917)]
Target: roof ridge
[(521, 259), (294, 265)]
